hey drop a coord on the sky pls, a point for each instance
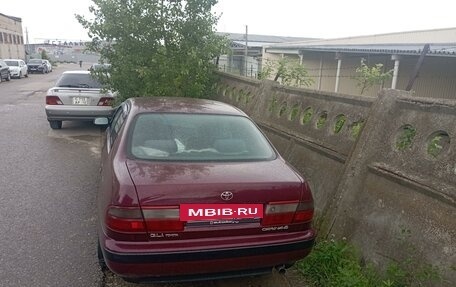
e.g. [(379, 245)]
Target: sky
[(54, 19)]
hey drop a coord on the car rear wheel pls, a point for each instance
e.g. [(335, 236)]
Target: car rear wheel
[(101, 260), (55, 125), (20, 75), (26, 75), (8, 77)]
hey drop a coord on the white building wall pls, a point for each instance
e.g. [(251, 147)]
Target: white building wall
[(11, 38)]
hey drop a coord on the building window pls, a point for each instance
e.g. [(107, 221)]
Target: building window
[(1, 37), (10, 39), (14, 39), (22, 40)]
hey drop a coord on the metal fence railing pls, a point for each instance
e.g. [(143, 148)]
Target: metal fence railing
[(240, 65)]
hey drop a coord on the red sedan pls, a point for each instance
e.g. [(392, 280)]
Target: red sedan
[(192, 189)]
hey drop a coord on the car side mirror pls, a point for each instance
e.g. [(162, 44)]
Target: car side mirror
[(101, 121)]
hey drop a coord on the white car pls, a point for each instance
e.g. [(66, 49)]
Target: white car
[(49, 66), (77, 96), (17, 67)]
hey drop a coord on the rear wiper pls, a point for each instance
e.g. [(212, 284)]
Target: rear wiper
[(68, 86), (75, 86)]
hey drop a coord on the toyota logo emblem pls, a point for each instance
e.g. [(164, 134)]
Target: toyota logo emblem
[(226, 195)]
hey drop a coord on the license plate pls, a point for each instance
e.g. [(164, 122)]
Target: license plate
[(80, 101), (189, 212)]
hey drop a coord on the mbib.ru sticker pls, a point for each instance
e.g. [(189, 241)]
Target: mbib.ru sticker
[(189, 212)]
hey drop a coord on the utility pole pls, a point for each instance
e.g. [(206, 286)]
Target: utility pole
[(27, 51), (416, 72), (246, 49)]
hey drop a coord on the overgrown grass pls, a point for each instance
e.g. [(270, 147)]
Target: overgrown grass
[(336, 263), (406, 137)]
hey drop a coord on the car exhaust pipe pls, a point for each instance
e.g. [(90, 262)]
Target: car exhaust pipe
[(281, 269)]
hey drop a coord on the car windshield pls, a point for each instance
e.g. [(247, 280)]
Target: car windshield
[(35, 62), (197, 137), (78, 81), (12, 63)]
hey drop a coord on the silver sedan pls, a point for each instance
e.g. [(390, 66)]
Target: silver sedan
[(77, 96)]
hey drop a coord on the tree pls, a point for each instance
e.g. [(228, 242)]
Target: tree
[(44, 55), (290, 72), (156, 47), (369, 76)]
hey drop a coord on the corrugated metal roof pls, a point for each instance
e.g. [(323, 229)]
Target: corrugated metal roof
[(251, 44), (265, 39), (17, 19), (400, 49)]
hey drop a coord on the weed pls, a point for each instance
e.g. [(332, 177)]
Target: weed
[(322, 120), (406, 137), (336, 263), (307, 116), (339, 123), (435, 146), (356, 128), (294, 112)]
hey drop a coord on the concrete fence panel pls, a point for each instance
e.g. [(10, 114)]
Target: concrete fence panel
[(382, 169)]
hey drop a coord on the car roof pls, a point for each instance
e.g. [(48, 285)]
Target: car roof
[(12, 60), (76, 72), (182, 105)]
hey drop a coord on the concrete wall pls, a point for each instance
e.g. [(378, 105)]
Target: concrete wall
[(62, 53), (11, 38), (379, 167)]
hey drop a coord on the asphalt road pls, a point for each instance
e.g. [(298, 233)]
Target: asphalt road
[(48, 184)]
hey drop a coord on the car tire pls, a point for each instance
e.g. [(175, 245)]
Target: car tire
[(26, 75), (43, 72), (8, 78), (101, 260), (20, 75), (55, 125)]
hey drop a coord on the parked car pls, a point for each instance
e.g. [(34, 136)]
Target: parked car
[(192, 189), (48, 65), (97, 67), (17, 68), (4, 71), (37, 66), (77, 96)]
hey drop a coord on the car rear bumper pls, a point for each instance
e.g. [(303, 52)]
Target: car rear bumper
[(35, 69), (207, 263), (76, 113)]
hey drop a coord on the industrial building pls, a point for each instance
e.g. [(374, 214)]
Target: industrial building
[(11, 38)]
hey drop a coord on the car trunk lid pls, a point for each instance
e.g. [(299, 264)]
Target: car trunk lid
[(78, 96), (164, 188)]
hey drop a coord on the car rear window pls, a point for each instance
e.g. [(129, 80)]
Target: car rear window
[(78, 81), (35, 62), (12, 63), (197, 137)]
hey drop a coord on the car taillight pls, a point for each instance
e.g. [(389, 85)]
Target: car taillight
[(53, 100), (126, 223), (287, 212), (163, 218), (105, 101)]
